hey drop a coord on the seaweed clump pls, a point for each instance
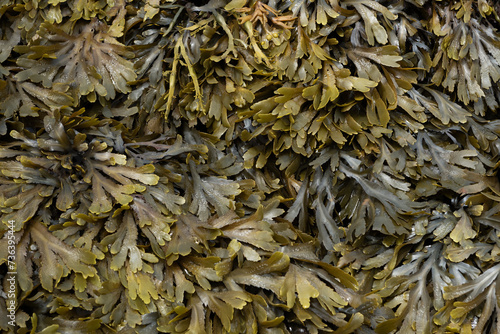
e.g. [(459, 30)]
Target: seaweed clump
[(245, 166)]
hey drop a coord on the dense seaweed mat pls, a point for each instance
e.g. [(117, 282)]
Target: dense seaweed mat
[(246, 166)]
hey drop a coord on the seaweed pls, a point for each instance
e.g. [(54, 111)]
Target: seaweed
[(249, 166)]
